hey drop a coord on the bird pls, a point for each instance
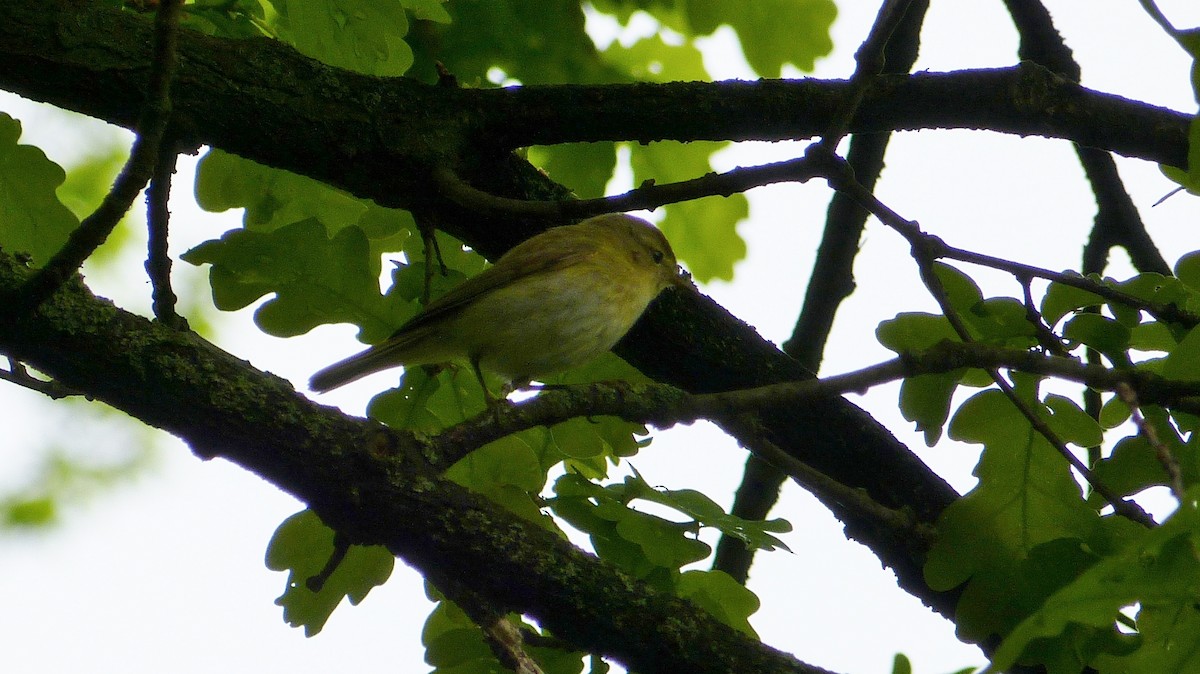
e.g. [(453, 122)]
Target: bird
[(555, 301)]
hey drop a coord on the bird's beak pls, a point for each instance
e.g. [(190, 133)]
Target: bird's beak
[(682, 279)]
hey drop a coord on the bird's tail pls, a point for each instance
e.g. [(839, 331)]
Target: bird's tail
[(351, 369)]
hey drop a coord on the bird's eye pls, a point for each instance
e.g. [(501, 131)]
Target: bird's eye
[(657, 256)]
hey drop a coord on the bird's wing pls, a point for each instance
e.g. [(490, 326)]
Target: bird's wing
[(522, 261)]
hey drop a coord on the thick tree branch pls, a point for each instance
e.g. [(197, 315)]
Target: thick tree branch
[(370, 484), (243, 96)]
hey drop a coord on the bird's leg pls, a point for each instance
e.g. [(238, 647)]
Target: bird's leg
[(517, 385), (490, 400)]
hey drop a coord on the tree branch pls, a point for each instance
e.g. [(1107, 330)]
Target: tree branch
[(370, 484)]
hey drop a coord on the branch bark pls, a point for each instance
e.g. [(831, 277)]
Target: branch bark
[(371, 484)]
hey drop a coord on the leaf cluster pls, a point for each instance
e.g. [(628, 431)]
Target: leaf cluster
[(1039, 557)]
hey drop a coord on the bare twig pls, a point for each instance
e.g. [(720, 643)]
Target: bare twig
[(1164, 454), (17, 374), (903, 524), (842, 179), (648, 196), (158, 259), (1161, 19)]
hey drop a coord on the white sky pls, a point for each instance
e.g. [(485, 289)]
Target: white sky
[(166, 573)]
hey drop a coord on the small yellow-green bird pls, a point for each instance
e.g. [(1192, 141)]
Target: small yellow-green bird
[(553, 302)]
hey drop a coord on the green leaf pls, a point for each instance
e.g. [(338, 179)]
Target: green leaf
[(1161, 572), (1114, 413), (428, 399), (510, 473), (316, 280), (901, 664), (653, 60), (1189, 179), (1187, 270), (454, 643), (87, 183), (452, 640), (32, 219), (585, 168), (1003, 321), (533, 42), (1183, 363), (1152, 287), (30, 512), (1061, 300), (1134, 464), (911, 332), (661, 541), (597, 512), (589, 444), (1152, 336), (225, 18), (703, 232), (272, 197), (505, 462), (704, 235), (705, 512), (1026, 496), (1170, 631), (772, 32), (1071, 423), (90, 180), (1107, 336), (303, 546), (961, 290), (925, 399), (428, 10), (658, 544), (722, 596), (365, 36)]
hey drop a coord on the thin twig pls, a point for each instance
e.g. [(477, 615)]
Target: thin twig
[(1127, 509), (136, 173), (508, 646), (648, 196), (664, 406), (1166, 457), (1161, 19), (158, 258), (17, 374), (341, 546), (827, 489), (433, 254)]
